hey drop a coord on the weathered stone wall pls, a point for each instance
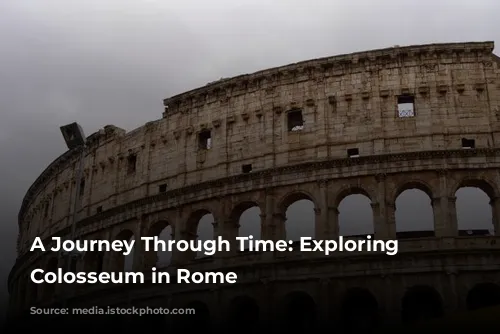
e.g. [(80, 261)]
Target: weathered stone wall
[(346, 102)]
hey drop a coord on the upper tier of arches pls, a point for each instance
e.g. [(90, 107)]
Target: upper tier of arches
[(364, 108)]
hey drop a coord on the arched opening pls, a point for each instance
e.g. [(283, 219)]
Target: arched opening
[(243, 315), (246, 217), (355, 213), (474, 211), (119, 261), (196, 318), (163, 231), (359, 311), (483, 295), (50, 289), (200, 226), (414, 212), (300, 219), (421, 303), (299, 312)]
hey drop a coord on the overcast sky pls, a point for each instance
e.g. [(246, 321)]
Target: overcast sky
[(104, 62)]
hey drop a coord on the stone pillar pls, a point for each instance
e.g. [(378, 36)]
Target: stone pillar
[(141, 260), (333, 222), (445, 221), (278, 226), (321, 225), (384, 228), (495, 210), (452, 222), (228, 230), (268, 228), (390, 218)]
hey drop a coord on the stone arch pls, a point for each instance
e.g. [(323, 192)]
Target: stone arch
[(483, 295), (482, 183), (297, 215), (243, 310), (200, 225), (475, 206), (359, 311), (299, 312), (414, 212), (421, 302), (51, 266), (355, 212), (119, 262), (163, 230), (245, 220)]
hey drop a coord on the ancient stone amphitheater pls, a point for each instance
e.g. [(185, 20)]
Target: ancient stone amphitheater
[(374, 123)]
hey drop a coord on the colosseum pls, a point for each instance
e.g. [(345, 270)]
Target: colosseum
[(373, 124)]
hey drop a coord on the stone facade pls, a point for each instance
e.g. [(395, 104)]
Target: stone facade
[(318, 130)]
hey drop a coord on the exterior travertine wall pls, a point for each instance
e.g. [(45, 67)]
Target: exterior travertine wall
[(347, 101)]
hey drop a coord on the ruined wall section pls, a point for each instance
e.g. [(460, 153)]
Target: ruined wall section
[(346, 102)]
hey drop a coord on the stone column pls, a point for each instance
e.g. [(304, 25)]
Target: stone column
[(452, 222), (495, 210), (390, 218), (321, 225), (140, 261)]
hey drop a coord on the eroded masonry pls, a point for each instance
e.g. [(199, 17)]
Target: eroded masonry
[(374, 123)]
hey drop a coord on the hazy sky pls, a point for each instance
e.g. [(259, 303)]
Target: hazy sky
[(104, 62)]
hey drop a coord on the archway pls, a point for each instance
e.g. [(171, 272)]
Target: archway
[(119, 261), (414, 212), (299, 215), (359, 311), (164, 232), (421, 303), (483, 295), (355, 213), (246, 219), (473, 208), (200, 226), (299, 312)]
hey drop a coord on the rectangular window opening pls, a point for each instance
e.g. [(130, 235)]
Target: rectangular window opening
[(406, 106), (162, 188), (205, 140), (99, 209), (468, 143), (295, 120), (246, 168), (353, 153), (132, 164)]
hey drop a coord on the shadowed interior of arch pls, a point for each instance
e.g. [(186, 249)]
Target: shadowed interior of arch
[(298, 311), (483, 295), (359, 310), (420, 303)]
